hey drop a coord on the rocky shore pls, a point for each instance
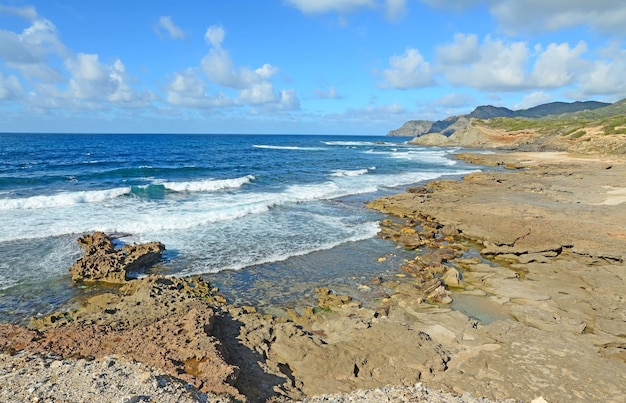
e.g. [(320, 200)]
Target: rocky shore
[(515, 293)]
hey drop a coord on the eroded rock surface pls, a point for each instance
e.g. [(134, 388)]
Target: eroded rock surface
[(553, 260), (102, 261)]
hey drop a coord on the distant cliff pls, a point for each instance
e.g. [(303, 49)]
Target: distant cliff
[(587, 131), (452, 124), (412, 128)]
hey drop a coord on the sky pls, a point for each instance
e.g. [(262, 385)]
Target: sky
[(360, 67)]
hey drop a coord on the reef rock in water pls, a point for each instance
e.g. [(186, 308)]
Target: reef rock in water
[(104, 262)]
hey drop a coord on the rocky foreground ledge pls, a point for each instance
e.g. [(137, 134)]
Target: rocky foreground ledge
[(550, 276)]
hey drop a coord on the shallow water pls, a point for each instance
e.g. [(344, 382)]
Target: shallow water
[(264, 217)]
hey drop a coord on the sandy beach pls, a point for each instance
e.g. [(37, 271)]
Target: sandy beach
[(516, 293)]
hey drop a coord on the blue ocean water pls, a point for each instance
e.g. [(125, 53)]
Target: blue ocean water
[(250, 212)]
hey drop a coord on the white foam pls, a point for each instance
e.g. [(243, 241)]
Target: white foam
[(359, 143), (62, 199), (282, 247), (270, 147), (436, 157), (209, 185), (346, 172), (74, 214)]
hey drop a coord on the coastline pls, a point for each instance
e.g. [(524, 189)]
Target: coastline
[(552, 229)]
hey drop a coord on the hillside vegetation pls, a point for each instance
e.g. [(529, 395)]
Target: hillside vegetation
[(597, 131)]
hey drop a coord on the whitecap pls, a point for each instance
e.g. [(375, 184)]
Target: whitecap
[(209, 185), (62, 199), (346, 172), (270, 147)]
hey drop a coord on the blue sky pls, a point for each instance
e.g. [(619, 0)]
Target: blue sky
[(297, 66)]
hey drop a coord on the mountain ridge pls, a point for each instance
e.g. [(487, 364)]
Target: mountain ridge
[(451, 124)]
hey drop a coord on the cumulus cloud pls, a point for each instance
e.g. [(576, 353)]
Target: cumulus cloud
[(520, 15), (407, 71), (606, 16), (327, 6), (496, 65), (188, 90), (557, 65), (166, 24), (464, 49), (28, 13), (10, 87), (395, 9), (214, 35), (28, 51), (92, 80), (56, 77), (254, 86), (604, 76), (220, 68)]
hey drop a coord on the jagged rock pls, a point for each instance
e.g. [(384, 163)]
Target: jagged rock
[(102, 261)]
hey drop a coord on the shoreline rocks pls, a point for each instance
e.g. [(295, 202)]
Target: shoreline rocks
[(102, 261), (551, 267)]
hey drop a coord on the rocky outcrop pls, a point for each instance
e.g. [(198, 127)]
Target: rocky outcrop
[(102, 261), (412, 128), (453, 124)]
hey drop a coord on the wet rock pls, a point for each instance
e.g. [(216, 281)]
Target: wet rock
[(102, 261), (326, 299), (452, 278)]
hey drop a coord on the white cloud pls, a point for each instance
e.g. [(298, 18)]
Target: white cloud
[(289, 100), (166, 24), (407, 71), (464, 49), (10, 87), (533, 99), (92, 81), (395, 9), (498, 66), (540, 15), (557, 65), (328, 6), (254, 87), (214, 35), (605, 77), (56, 77), (188, 90), (29, 50), (258, 93), (28, 13), (606, 16), (220, 68)]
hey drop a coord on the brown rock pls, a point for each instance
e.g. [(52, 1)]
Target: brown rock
[(102, 261)]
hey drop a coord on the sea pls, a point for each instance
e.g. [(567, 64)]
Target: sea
[(266, 218)]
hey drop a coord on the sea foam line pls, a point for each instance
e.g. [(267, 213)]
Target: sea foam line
[(67, 199), (347, 172), (63, 199), (269, 147), (209, 185)]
